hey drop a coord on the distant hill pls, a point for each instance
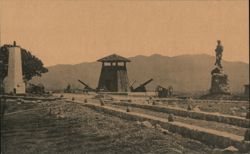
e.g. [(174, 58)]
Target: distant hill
[(186, 73)]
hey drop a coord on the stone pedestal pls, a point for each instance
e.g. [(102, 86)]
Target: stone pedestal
[(219, 83)]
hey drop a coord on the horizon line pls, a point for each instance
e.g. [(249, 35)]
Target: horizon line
[(153, 55)]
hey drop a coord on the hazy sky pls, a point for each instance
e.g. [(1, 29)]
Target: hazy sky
[(74, 31)]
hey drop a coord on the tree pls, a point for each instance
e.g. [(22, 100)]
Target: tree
[(31, 65)]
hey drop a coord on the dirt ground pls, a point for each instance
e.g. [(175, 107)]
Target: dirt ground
[(61, 127)]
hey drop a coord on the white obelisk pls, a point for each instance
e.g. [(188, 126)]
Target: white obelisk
[(13, 82)]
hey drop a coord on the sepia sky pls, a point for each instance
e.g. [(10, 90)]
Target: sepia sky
[(74, 31)]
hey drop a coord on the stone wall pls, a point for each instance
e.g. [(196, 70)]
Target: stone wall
[(233, 120), (208, 136)]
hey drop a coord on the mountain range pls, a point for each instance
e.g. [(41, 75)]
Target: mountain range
[(185, 73)]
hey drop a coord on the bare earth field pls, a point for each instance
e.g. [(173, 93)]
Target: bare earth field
[(65, 127)]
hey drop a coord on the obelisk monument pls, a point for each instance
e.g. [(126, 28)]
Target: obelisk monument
[(13, 82)]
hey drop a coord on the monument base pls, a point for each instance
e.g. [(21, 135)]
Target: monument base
[(219, 83), (14, 88)]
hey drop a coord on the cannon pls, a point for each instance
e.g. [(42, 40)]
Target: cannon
[(35, 89), (87, 87), (164, 92), (140, 88)]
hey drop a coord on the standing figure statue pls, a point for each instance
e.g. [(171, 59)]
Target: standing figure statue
[(218, 50)]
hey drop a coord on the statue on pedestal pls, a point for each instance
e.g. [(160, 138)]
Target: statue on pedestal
[(220, 82)]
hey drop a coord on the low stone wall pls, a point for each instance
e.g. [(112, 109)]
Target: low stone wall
[(232, 120), (113, 93), (208, 136), (29, 98), (170, 100), (142, 94)]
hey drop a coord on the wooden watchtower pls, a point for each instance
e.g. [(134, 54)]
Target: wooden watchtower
[(113, 76)]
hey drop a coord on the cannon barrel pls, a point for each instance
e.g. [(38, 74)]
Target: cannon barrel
[(83, 83), (87, 86), (147, 82), (141, 88)]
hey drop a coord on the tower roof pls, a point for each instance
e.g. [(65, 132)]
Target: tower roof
[(113, 58)]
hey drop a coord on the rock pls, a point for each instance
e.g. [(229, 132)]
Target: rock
[(233, 112), (138, 122), (101, 102), (197, 109), (60, 116), (157, 126), (85, 100), (247, 135), (248, 115), (243, 108), (159, 103), (230, 149), (170, 118), (108, 98), (147, 124), (99, 96), (20, 101), (189, 108), (174, 104), (128, 110), (234, 108), (49, 111), (243, 114), (164, 131), (173, 150)]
